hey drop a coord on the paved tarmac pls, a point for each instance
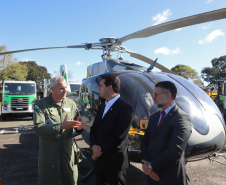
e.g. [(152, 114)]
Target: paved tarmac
[(202, 172), (19, 157)]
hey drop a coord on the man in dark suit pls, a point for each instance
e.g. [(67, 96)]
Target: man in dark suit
[(165, 139), (109, 134)]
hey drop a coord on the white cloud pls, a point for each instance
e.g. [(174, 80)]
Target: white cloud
[(78, 63), (212, 36), (179, 29), (166, 51), (160, 18), (209, 1)]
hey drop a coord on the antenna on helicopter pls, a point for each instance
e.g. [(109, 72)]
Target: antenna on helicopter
[(121, 58), (152, 65)]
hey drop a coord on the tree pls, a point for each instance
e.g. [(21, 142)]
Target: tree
[(16, 71), (36, 73), (186, 72), (5, 62), (216, 72), (10, 69)]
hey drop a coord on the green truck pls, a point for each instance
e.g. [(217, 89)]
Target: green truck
[(18, 97)]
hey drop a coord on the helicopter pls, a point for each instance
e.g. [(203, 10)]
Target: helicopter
[(137, 85)]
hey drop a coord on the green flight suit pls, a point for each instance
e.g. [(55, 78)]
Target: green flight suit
[(56, 153)]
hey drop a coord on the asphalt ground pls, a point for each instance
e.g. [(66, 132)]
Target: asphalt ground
[(19, 158)]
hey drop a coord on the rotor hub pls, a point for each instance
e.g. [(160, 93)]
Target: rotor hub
[(111, 40)]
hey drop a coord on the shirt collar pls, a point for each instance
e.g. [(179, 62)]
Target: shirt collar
[(168, 109), (56, 103), (112, 101)]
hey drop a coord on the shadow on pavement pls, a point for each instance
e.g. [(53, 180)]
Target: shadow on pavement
[(19, 162), (134, 175)]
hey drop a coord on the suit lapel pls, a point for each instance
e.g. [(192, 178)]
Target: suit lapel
[(166, 119), (154, 122), (100, 113), (112, 109)]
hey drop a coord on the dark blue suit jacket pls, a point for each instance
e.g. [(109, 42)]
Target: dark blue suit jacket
[(164, 147), (111, 134)]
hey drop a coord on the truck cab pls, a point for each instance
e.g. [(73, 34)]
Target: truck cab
[(18, 97)]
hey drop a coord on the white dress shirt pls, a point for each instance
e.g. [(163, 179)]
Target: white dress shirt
[(108, 104)]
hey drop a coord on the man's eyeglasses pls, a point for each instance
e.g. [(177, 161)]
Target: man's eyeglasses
[(156, 94)]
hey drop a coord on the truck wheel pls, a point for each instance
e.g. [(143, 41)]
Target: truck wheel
[(3, 117)]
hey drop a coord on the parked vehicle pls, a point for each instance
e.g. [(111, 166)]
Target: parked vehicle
[(18, 97)]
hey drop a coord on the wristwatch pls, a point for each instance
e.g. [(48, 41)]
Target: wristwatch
[(149, 166)]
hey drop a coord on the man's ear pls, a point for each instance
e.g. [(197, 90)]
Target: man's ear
[(169, 95), (110, 87), (52, 88)]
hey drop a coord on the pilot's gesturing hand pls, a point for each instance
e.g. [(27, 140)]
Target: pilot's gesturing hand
[(68, 124)]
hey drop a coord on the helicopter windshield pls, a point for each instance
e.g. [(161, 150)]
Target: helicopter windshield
[(137, 89), (193, 107), (207, 103)]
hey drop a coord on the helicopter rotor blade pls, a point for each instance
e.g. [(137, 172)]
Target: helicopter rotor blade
[(148, 60), (18, 51), (179, 23)]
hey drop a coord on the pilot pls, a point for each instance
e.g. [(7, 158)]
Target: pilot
[(54, 119), (165, 139)]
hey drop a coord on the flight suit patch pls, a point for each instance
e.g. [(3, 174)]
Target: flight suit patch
[(36, 107), (49, 122), (54, 111)]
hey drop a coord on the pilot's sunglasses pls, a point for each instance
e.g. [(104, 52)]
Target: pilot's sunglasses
[(156, 94)]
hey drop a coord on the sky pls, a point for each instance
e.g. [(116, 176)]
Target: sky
[(29, 24)]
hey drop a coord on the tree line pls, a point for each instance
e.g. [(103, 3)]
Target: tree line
[(209, 74), (11, 69)]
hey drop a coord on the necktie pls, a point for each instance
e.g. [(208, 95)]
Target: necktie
[(162, 117)]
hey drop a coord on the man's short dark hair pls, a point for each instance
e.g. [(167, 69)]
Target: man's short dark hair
[(169, 86), (112, 80)]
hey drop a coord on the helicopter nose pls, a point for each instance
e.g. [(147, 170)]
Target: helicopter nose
[(213, 140)]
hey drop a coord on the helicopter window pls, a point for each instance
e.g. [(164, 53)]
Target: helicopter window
[(187, 101), (119, 68), (202, 97), (136, 89)]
